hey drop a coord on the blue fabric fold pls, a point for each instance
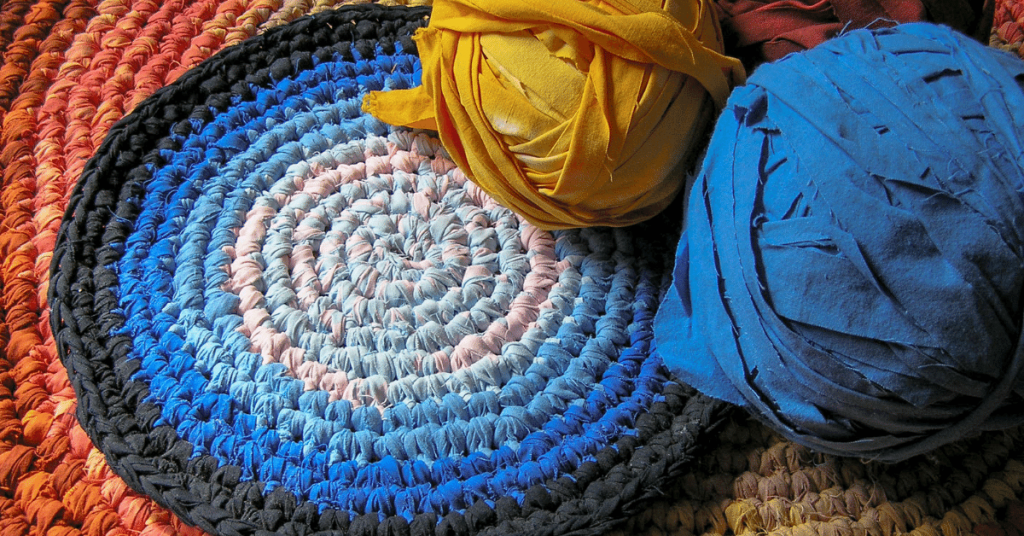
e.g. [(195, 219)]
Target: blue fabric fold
[(852, 265)]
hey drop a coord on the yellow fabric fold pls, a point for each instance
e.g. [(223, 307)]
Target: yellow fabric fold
[(573, 113)]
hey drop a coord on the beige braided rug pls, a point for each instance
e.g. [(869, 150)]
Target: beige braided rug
[(754, 482)]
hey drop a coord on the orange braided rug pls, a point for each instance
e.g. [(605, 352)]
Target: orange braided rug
[(70, 70)]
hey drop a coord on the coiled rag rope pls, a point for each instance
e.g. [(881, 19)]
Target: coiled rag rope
[(864, 306)]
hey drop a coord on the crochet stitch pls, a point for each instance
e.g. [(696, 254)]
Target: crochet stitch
[(280, 314)]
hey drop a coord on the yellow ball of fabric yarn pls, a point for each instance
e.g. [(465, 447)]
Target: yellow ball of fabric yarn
[(573, 113)]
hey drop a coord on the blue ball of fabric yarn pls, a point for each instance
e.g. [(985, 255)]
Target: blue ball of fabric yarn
[(851, 269)]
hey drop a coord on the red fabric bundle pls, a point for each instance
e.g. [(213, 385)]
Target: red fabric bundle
[(757, 31), (1007, 33)]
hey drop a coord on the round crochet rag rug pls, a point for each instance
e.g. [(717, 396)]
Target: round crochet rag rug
[(279, 314)]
